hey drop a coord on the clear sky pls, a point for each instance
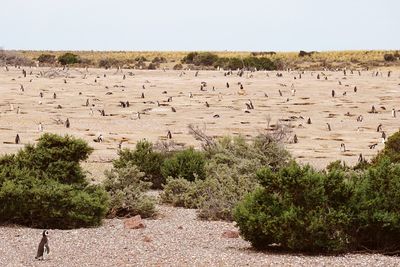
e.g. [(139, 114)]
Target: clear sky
[(246, 25)]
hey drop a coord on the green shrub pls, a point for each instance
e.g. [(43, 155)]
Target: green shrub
[(299, 209), (126, 188), (146, 159), (44, 186), (68, 59), (187, 164), (376, 207), (391, 150), (230, 175), (180, 192), (47, 58)]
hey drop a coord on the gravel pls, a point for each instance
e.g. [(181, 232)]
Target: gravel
[(175, 238)]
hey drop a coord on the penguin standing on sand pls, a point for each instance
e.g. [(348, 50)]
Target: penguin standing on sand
[(43, 248)]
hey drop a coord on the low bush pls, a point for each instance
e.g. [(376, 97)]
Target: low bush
[(180, 192), (298, 208), (47, 58), (109, 62), (391, 150), (68, 59), (376, 207), (44, 186), (178, 66), (187, 164), (127, 192), (389, 57), (230, 175), (146, 159)]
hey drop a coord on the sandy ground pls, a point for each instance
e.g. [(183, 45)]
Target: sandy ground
[(312, 99), (197, 243)]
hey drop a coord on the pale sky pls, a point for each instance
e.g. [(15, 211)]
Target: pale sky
[(246, 25)]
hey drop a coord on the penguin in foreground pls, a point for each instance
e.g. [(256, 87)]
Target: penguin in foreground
[(43, 248)]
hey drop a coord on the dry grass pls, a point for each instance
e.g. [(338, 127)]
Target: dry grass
[(356, 58)]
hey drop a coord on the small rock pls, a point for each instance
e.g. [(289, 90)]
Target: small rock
[(230, 234), (147, 239), (134, 223), (180, 227)]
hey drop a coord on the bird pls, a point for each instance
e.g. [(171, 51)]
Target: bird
[(43, 248), (393, 113), (379, 128), (343, 147), (360, 158), (17, 139), (54, 95), (333, 93), (67, 123), (372, 146), (295, 139), (329, 126), (40, 127), (207, 105), (173, 109), (309, 121), (169, 134)]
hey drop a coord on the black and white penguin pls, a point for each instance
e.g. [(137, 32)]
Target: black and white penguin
[(43, 248), (67, 123), (17, 139)]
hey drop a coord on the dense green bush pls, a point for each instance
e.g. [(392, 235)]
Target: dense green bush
[(44, 186), (127, 192), (68, 59), (146, 159), (298, 208), (391, 150), (376, 207), (187, 164), (47, 58)]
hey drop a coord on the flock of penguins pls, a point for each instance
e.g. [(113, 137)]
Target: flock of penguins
[(234, 89), (212, 89)]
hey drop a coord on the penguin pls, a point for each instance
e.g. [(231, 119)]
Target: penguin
[(54, 95), (360, 158), (343, 147), (393, 113), (329, 126), (207, 105), (67, 123), (17, 139), (173, 109), (43, 248), (295, 139), (87, 102), (227, 85), (333, 93), (169, 134), (309, 121), (40, 127)]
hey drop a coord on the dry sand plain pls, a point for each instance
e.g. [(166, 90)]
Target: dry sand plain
[(177, 238), (312, 99)]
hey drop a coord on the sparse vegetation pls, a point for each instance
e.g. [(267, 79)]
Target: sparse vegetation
[(126, 187)]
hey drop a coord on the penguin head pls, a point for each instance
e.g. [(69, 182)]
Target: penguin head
[(45, 233)]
